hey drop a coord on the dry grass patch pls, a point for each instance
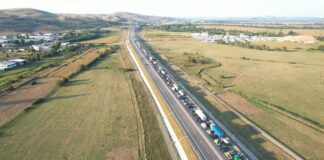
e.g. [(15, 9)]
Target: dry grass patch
[(287, 79), (88, 118), (313, 32)]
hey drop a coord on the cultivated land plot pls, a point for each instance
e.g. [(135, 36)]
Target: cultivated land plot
[(313, 32), (91, 117), (73, 66), (15, 102), (112, 37), (288, 79)]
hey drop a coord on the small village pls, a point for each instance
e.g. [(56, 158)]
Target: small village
[(242, 38), (36, 42)]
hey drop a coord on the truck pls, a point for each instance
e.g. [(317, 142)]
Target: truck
[(216, 130), (201, 115)]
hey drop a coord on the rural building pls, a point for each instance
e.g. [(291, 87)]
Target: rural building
[(5, 65), (41, 47), (18, 62)]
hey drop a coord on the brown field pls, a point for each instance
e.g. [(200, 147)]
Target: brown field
[(289, 45), (109, 39), (287, 79), (73, 66), (112, 37), (313, 32), (15, 102), (92, 117)]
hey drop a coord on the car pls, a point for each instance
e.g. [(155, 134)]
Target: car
[(228, 155), (233, 151), (236, 157), (224, 148)]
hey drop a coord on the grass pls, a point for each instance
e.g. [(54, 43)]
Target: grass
[(289, 45), (287, 79), (27, 71), (155, 144), (112, 37), (313, 32), (91, 117)]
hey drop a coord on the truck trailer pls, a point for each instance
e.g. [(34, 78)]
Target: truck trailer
[(201, 115), (216, 130)]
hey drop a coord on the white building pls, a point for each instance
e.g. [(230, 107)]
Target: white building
[(5, 65), (41, 47), (19, 62)]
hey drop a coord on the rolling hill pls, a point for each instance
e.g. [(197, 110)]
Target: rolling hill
[(32, 20)]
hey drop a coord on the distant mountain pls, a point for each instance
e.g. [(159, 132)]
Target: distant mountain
[(33, 20), (26, 13)]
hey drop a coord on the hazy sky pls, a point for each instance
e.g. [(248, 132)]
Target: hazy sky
[(179, 8)]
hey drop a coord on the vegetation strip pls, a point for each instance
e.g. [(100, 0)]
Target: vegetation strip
[(181, 151)]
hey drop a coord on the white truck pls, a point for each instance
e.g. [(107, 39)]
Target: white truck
[(201, 115)]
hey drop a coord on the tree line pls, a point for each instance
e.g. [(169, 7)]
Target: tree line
[(195, 29)]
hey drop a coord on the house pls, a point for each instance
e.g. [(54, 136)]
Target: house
[(64, 44), (50, 36), (5, 65), (41, 47), (8, 45), (18, 62)]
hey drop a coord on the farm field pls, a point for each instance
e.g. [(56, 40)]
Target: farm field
[(92, 117), (27, 70), (41, 83), (312, 32), (102, 113), (290, 80), (289, 45), (112, 37)]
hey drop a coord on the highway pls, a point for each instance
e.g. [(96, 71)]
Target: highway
[(198, 137)]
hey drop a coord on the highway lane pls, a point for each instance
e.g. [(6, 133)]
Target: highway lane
[(197, 136)]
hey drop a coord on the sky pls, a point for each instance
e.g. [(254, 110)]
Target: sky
[(179, 8)]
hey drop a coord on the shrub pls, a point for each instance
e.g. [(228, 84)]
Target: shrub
[(33, 83), (39, 101), (59, 83), (82, 67), (65, 80)]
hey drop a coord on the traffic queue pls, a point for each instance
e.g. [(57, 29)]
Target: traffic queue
[(212, 129)]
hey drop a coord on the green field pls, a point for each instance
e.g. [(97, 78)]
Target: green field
[(102, 113), (290, 80), (91, 117)]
